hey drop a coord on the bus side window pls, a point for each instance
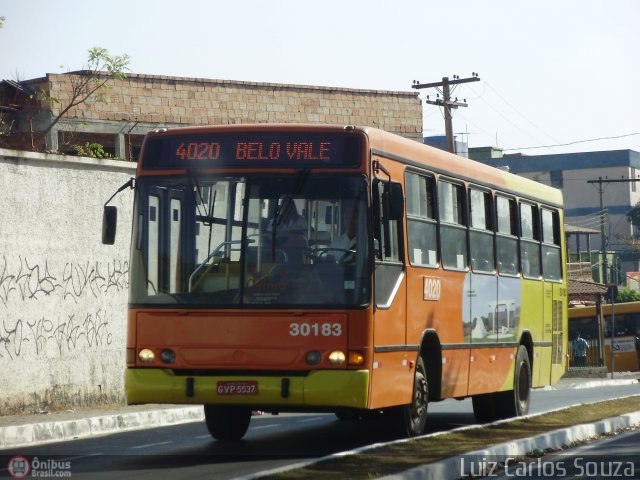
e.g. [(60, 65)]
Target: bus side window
[(453, 231), (530, 240), (481, 231), (506, 235), (387, 232), (551, 255), (421, 220)]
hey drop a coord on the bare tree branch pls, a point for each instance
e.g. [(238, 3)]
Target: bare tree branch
[(92, 80)]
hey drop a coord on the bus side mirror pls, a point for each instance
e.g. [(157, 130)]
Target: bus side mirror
[(109, 223), (396, 201)]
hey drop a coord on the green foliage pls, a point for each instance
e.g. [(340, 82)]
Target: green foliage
[(91, 150), (92, 81), (2, 19), (99, 58), (627, 295), (633, 215)]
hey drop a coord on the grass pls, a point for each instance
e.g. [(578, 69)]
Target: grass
[(399, 457)]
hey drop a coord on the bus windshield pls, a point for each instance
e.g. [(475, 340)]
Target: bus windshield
[(251, 240)]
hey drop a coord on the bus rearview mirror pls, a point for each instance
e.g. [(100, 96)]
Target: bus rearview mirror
[(396, 201), (109, 223)]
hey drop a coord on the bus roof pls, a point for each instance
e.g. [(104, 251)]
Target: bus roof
[(407, 151), (418, 154)]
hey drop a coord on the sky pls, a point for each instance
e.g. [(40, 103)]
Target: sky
[(552, 72)]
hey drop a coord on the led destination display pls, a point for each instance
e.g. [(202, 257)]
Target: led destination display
[(251, 149)]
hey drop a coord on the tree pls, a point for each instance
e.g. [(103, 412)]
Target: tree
[(633, 215), (2, 19), (92, 80), (627, 295)]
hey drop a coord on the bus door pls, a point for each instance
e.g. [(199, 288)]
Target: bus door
[(391, 382), (555, 296), (163, 218)]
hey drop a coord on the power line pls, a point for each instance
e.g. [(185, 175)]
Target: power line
[(520, 113), (577, 141), (507, 119)]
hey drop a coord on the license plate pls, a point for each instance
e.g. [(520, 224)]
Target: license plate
[(237, 388)]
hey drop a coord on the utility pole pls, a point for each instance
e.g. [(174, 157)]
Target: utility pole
[(446, 101), (603, 236)]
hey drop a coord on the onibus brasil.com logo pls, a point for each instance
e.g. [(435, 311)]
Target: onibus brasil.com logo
[(21, 467)]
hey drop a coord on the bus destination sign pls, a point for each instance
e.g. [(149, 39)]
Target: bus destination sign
[(252, 149)]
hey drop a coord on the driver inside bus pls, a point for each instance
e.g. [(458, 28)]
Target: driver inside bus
[(344, 245), (288, 231), (347, 240), (287, 219)]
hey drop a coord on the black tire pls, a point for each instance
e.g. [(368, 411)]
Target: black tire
[(490, 407), (484, 407), (227, 423), (515, 403), (411, 420)]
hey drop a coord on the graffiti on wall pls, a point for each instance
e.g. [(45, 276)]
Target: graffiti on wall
[(60, 328), (66, 335), (31, 281)]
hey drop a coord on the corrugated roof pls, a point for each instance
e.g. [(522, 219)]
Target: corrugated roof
[(581, 287)]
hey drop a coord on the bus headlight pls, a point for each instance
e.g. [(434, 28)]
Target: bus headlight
[(147, 356), (337, 357), (313, 357)]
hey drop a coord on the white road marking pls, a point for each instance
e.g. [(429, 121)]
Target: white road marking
[(150, 445), (266, 426)]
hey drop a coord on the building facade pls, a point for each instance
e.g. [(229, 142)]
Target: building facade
[(137, 104), (598, 188)]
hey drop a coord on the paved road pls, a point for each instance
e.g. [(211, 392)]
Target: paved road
[(187, 451)]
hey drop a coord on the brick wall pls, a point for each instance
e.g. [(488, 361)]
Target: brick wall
[(194, 101)]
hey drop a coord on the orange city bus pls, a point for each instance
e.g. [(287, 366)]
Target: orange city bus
[(339, 269)]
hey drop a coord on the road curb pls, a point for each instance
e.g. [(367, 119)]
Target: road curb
[(599, 383), (451, 468), (441, 470), (56, 431)]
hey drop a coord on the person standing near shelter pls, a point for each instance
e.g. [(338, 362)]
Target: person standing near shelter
[(580, 347)]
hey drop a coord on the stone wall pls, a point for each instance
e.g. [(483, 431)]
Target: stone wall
[(63, 295)]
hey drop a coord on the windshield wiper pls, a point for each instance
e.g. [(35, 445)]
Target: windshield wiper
[(216, 253)]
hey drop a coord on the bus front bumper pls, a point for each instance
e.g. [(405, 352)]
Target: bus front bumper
[(322, 388)]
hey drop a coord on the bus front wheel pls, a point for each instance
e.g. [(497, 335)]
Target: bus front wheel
[(227, 423), (412, 419)]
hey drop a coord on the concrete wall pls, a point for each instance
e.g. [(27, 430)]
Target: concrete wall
[(63, 294)]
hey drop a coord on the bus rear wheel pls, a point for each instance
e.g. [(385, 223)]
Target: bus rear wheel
[(227, 423), (514, 403), (484, 407), (489, 407)]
